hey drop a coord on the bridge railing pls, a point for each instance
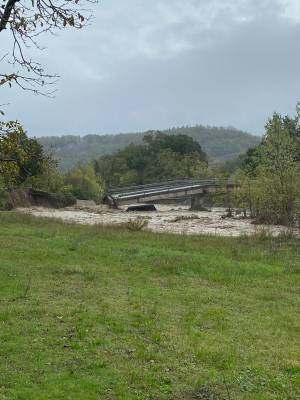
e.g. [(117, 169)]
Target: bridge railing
[(119, 189), (164, 188), (164, 184)]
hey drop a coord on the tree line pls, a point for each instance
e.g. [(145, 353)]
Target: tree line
[(160, 157), (25, 163), (219, 143), (267, 175)]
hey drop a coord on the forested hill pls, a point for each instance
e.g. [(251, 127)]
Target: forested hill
[(219, 143)]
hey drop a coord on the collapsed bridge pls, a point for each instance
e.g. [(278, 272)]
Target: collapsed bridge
[(171, 190)]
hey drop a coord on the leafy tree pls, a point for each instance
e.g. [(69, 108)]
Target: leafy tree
[(252, 160), (26, 156), (278, 174), (51, 180), (112, 169), (160, 157), (179, 144), (85, 184), (194, 166), (291, 126), (271, 180), (137, 158), (24, 163)]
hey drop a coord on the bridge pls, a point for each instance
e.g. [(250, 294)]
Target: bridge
[(180, 189)]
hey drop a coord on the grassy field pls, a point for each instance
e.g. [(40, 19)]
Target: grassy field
[(103, 313)]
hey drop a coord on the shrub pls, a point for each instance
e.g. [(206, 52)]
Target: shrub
[(137, 224)]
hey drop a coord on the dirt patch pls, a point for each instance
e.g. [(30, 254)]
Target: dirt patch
[(209, 392), (171, 219)]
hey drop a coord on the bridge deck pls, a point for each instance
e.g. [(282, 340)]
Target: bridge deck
[(164, 190)]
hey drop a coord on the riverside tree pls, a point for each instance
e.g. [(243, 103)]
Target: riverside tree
[(84, 183), (270, 180), (26, 164), (23, 158)]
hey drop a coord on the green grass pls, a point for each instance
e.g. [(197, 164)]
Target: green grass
[(103, 313)]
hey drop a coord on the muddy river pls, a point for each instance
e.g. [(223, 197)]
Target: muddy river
[(167, 218)]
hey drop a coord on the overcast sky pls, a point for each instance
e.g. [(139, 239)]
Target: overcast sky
[(161, 63)]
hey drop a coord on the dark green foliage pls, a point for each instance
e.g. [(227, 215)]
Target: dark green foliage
[(252, 160), (28, 165), (28, 154), (160, 157), (35, 164), (110, 168), (178, 143), (220, 144)]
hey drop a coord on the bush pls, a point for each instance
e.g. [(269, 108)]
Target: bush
[(137, 224)]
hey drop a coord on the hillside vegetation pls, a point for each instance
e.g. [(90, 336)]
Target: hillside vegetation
[(219, 143), (268, 174), (160, 157), (102, 313)]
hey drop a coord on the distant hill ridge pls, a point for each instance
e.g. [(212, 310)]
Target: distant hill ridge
[(219, 143)]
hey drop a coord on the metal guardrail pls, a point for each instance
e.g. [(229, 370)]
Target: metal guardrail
[(162, 184), (132, 192)]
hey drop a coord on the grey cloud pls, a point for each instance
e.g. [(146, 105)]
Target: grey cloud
[(166, 63)]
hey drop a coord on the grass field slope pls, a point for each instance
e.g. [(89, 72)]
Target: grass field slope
[(89, 313), (221, 144)]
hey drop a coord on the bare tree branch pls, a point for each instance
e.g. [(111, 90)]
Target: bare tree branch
[(7, 13), (24, 21)]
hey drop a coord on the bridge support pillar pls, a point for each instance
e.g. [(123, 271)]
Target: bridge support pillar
[(110, 201), (197, 203)]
